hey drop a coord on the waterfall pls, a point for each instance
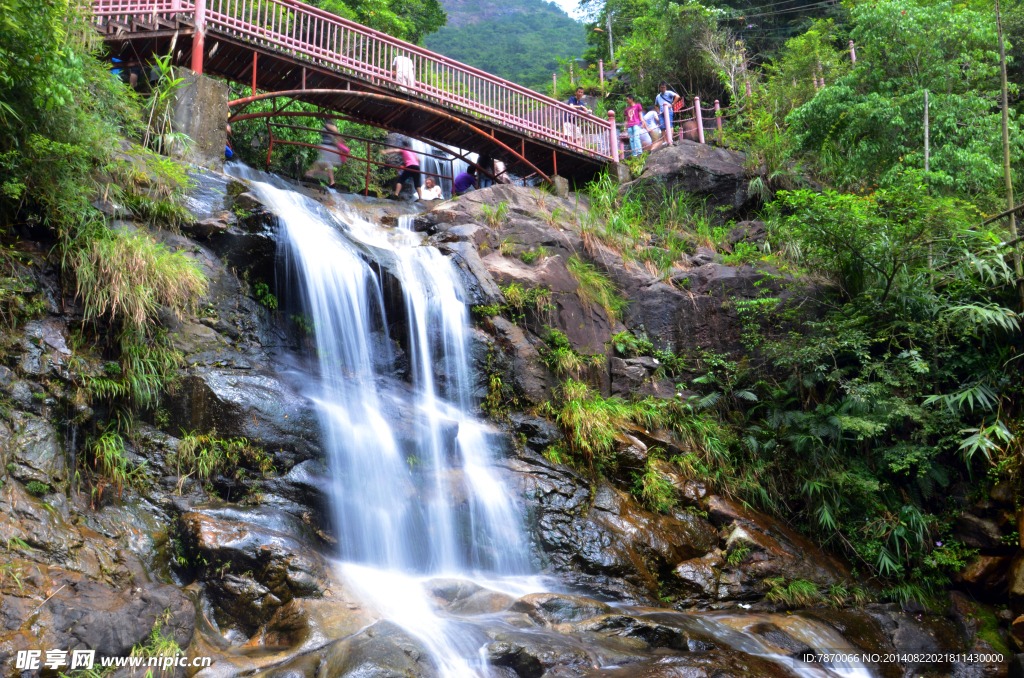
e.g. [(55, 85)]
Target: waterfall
[(427, 502)]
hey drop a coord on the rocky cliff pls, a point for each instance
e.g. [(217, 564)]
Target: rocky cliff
[(237, 565)]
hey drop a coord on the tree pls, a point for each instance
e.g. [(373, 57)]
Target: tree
[(868, 124)]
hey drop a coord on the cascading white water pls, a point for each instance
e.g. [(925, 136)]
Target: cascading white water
[(395, 508)]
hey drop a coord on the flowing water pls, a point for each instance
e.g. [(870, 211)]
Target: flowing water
[(415, 495)]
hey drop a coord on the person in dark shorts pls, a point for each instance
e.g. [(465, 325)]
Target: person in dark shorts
[(410, 170)]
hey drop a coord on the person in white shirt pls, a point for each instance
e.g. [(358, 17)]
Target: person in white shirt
[(405, 72), (431, 191), (651, 140)]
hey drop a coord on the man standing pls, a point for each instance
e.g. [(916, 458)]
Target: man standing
[(570, 128), (666, 96)]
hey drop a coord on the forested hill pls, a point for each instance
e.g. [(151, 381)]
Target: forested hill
[(519, 40)]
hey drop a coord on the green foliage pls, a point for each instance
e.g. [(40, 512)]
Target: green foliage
[(410, 20), (205, 455), (559, 356), (867, 122), (594, 287), (37, 488), (126, 276), (497, 215), (264, 296), (521, 40), (652, 488), (111, 462), (519, 299), (797, 593)]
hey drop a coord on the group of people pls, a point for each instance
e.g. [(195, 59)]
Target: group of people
[(426, 187), (645, 129)]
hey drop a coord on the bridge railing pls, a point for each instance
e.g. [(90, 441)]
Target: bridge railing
[(327, 40)]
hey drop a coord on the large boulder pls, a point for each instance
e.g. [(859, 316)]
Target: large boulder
[(51, 607), (767, 549), (251, 570), (31, 450), (596, 538), (384, 650), (714, 174), (255, 405)]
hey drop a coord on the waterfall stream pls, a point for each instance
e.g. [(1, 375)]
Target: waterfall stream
[(415, 494)]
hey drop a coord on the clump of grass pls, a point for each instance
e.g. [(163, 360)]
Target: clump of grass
[(594, 287), (532, 255), (205, 455), (497, 215), (652, 488), (128, 276), (559, 356), (110, 460), (798, 593), (590, 422), (518, 298), (507, 247), (147, 366)]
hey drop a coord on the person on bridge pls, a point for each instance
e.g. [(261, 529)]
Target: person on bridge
[(570, 129), (405, 72), (410, 170), (635, 123), (330, 148), (431, 191), (665, 96)]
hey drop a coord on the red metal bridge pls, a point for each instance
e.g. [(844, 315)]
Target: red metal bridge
[(288, 49)]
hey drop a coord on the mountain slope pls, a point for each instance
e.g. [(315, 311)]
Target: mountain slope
[(519, 40)]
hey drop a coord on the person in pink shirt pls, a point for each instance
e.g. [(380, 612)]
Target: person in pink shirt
[(635, 124), (410, 171)]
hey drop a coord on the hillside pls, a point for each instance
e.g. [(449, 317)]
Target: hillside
[(519, 40)]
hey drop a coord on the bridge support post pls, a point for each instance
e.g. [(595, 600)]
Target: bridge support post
[(718, 118), (613, 136), (600, 72), (699, 115), (666, 111), (199, 37)]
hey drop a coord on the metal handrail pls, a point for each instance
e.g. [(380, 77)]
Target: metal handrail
[(328, 40)]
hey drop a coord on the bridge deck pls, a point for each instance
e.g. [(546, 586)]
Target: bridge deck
[(279, 45)]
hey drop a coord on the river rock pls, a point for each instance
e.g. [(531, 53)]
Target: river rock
[(384, 650), (307, 624), (250, 571), (712, 664), (555, 608), (82, 613)]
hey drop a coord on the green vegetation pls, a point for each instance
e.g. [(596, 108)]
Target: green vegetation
[(559, 356), (521, 40), (206, 455), (496, 215), (595, 288)]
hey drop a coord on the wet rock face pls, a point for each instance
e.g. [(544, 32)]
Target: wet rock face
[(84, 613), (383, 650), (251, 570), (598, 539), (772, 550)]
